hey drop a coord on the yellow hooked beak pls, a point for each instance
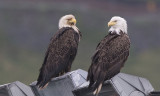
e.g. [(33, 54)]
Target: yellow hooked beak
[(111, 23), (73, 21)]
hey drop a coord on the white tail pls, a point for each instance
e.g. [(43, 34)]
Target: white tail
[(98, 89), (43, 87)]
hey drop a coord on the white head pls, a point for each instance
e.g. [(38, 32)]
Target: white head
[(117, 25), (68, 21)]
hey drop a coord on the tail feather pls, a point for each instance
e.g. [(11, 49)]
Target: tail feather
[(42, 83), (96, 92), (90, 78), (100, 80), (43, 87)]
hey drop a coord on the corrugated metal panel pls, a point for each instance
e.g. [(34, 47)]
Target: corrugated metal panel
[(120, 85), (15, 89), (63, 85), (74, 84)]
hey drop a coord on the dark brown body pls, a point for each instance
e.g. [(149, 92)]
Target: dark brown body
[(110, 56), (59, 56)]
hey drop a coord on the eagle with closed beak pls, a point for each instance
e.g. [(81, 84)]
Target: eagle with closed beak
[(61, 51), (111, 54)]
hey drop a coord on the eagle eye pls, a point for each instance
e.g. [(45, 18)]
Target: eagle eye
[(115, 20), (69, 19)]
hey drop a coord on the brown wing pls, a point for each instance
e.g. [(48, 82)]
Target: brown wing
[(111, 54), (59, 56)]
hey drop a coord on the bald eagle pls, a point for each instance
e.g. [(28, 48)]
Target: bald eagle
[(111, 54), (61, 51)]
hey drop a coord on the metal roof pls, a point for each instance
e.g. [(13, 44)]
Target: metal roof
[(63, 85), (74, 84), (120, 85), (15, 89)]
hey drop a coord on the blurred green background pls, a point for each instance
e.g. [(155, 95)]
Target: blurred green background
[(26, 27)]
